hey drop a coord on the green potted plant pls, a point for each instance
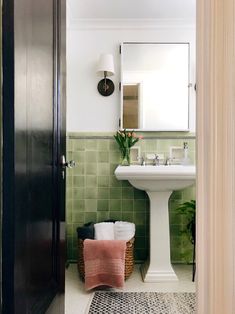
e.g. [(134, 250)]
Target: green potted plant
[(188, 209)]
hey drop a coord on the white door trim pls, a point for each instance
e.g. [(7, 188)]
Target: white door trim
[(215, 156)]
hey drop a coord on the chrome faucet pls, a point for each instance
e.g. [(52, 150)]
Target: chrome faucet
[(142, 161), (167, 161), (156, 161)]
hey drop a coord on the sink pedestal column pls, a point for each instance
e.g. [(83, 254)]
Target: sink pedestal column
[(159, 267)]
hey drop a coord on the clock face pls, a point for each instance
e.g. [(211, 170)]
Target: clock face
[(105, 87)]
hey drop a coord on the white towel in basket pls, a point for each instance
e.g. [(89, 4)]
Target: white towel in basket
[(124, 230), (104, 231)]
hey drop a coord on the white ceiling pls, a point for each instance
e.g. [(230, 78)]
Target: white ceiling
[(132, 9)]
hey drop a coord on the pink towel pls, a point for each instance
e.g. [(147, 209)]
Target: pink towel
[(104, 263)]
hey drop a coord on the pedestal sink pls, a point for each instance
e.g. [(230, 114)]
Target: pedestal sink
[(159, 182)]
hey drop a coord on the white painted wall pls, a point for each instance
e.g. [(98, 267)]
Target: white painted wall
[(87, 110)]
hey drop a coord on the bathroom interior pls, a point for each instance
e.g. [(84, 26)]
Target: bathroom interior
[(94, 192)]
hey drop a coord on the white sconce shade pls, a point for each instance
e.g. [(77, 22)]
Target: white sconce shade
[(106, 65)]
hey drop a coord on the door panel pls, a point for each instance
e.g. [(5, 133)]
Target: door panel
[(36, 196)]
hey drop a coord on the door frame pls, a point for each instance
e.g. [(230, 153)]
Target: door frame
[(215, 157)]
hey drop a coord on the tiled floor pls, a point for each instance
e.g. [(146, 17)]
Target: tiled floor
[(77, 299)]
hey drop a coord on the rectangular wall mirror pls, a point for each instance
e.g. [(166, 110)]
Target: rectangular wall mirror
[(155, 83)]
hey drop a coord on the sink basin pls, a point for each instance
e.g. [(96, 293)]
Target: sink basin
[(159, 182), (157, 178)]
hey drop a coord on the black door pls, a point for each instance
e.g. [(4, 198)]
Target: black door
[(33, 143)]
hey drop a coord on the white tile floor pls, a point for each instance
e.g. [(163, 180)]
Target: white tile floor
[(77, 299)]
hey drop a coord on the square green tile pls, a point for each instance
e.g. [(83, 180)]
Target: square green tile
[(163, 145), (114, 157), (79, 169), (176, 195), (91, 193), (115, 205), (127, 205), (140, 242), (79, 181), (114, 182), (188, 193), (69, 242), (78, 193), (113, 145), (90, 217), (91, 144), (69, 181), (103, 181), (75, 226), (103, 193), (126, 183), (141, 254), (69, 218), (78, 157), (103, 169), (115, 193), (69, 193), (69, 204), (192, 157), (191, 144), (69, 230), (78, 205), (139, 205), (128, 216), (69, 145), (139, 194), (127, 193), (103, 157), (103, 205), (78, 217), (102, 216), (112, 168), (69, 155), (90, 205), (91, 168), (79, 145), (90, 156), (139, 218), (116, 215), (151, 146), (91, 181), (103, 145), (140, 231)]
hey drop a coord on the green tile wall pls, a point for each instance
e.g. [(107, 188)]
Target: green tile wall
[(94, 194)]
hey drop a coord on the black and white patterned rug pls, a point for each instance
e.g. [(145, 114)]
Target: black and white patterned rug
[(142, 303)]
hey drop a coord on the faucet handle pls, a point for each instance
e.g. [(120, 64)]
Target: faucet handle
[(156, 160), (168, 161), (142, 160), (185, 145)]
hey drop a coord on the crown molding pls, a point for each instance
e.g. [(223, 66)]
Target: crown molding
[(115, 24)]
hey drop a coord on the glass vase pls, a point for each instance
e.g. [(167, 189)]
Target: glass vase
[(126, 157)]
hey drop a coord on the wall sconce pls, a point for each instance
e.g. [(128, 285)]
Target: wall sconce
[(105, 69)]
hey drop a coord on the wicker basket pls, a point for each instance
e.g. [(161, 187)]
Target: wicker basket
[(129, 258)]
